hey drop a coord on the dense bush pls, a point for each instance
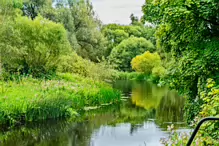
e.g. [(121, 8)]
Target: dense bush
[(146, 62), (159, 71), (115, 34), (122, 54), (191, 45), (208, 133), (210, 108), (75, 64), (189, 73), (150, 64), (114, 37), (79, 19), (32, 47)]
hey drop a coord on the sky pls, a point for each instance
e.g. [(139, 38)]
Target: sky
[(117, 11)]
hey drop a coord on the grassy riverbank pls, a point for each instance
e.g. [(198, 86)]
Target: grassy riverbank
[(32, 99), (136, 76)]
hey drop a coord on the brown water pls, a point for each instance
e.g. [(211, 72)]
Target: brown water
[(140, 120)]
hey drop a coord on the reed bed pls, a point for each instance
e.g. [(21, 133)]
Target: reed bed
[(31, 99)]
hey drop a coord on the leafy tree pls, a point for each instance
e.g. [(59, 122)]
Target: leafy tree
[(31, 8), (87, 28), (187, 30), (115, 34), (134, 19), (122, 54), (132, 30), (72, 63), (146, 62), (62, 15), (7, 10), (34, 46), (114, 37), (82, 25)]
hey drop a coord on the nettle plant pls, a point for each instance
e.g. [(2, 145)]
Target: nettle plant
[(209, 131)]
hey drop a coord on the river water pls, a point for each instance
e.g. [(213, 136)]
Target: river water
[(140, 120)]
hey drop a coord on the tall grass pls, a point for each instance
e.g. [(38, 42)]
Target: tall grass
[(32, 100), (135, 76)]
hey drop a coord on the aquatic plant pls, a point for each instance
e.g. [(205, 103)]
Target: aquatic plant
[(32, 100)]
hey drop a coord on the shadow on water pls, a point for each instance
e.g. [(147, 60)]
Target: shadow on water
[(139, 121)]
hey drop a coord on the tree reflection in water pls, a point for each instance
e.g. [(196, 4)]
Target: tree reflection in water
[(148, 106)]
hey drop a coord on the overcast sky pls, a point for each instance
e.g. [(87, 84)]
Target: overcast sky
[(117, 11)]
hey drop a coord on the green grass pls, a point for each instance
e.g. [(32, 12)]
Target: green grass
[(136, 76), (32, 100)]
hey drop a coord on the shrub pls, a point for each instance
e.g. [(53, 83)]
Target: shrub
[(75, 64), (146, 62), (208, 133), (34, 46), (122, 54), (210, 108), (159, 71)]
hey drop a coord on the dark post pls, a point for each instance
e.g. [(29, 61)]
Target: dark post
[(198, 126)]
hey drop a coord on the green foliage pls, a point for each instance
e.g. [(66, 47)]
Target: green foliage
[(6, 6), (150, 65), (146, 62), (64, 16), (90, 39), (159, 72), (31, 8), (189, 73), (134, 19), (210, 108), (183, 23), (122, 55), (188, 34), (34, 46), (130, 76), (115, 34), (32, 100), (75, 64), (208, 133), (114, 37), (82, 26)]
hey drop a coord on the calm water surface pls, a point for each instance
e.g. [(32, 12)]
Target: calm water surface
[(140, 120)]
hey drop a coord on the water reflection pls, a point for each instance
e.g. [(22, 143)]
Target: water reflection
[(167, 105), (140, 121)]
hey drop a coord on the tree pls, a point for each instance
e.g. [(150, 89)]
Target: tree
[(122, 54), (34, 46), (62, 15), (183, 23), (87, 28), (134, 19), (189, 31), (114, 37), (145, 63), (115, 34), (7, 10), (82, 25), (31, 8)]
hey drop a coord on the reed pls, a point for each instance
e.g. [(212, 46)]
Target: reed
[(31, 99)]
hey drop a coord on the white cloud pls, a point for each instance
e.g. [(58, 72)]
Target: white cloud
[(119, 11)]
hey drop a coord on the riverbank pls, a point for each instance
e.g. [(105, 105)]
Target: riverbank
[(30, 99), (126, 120), (138, 77)]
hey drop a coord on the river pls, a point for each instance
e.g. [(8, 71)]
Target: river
[(140, 120)]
